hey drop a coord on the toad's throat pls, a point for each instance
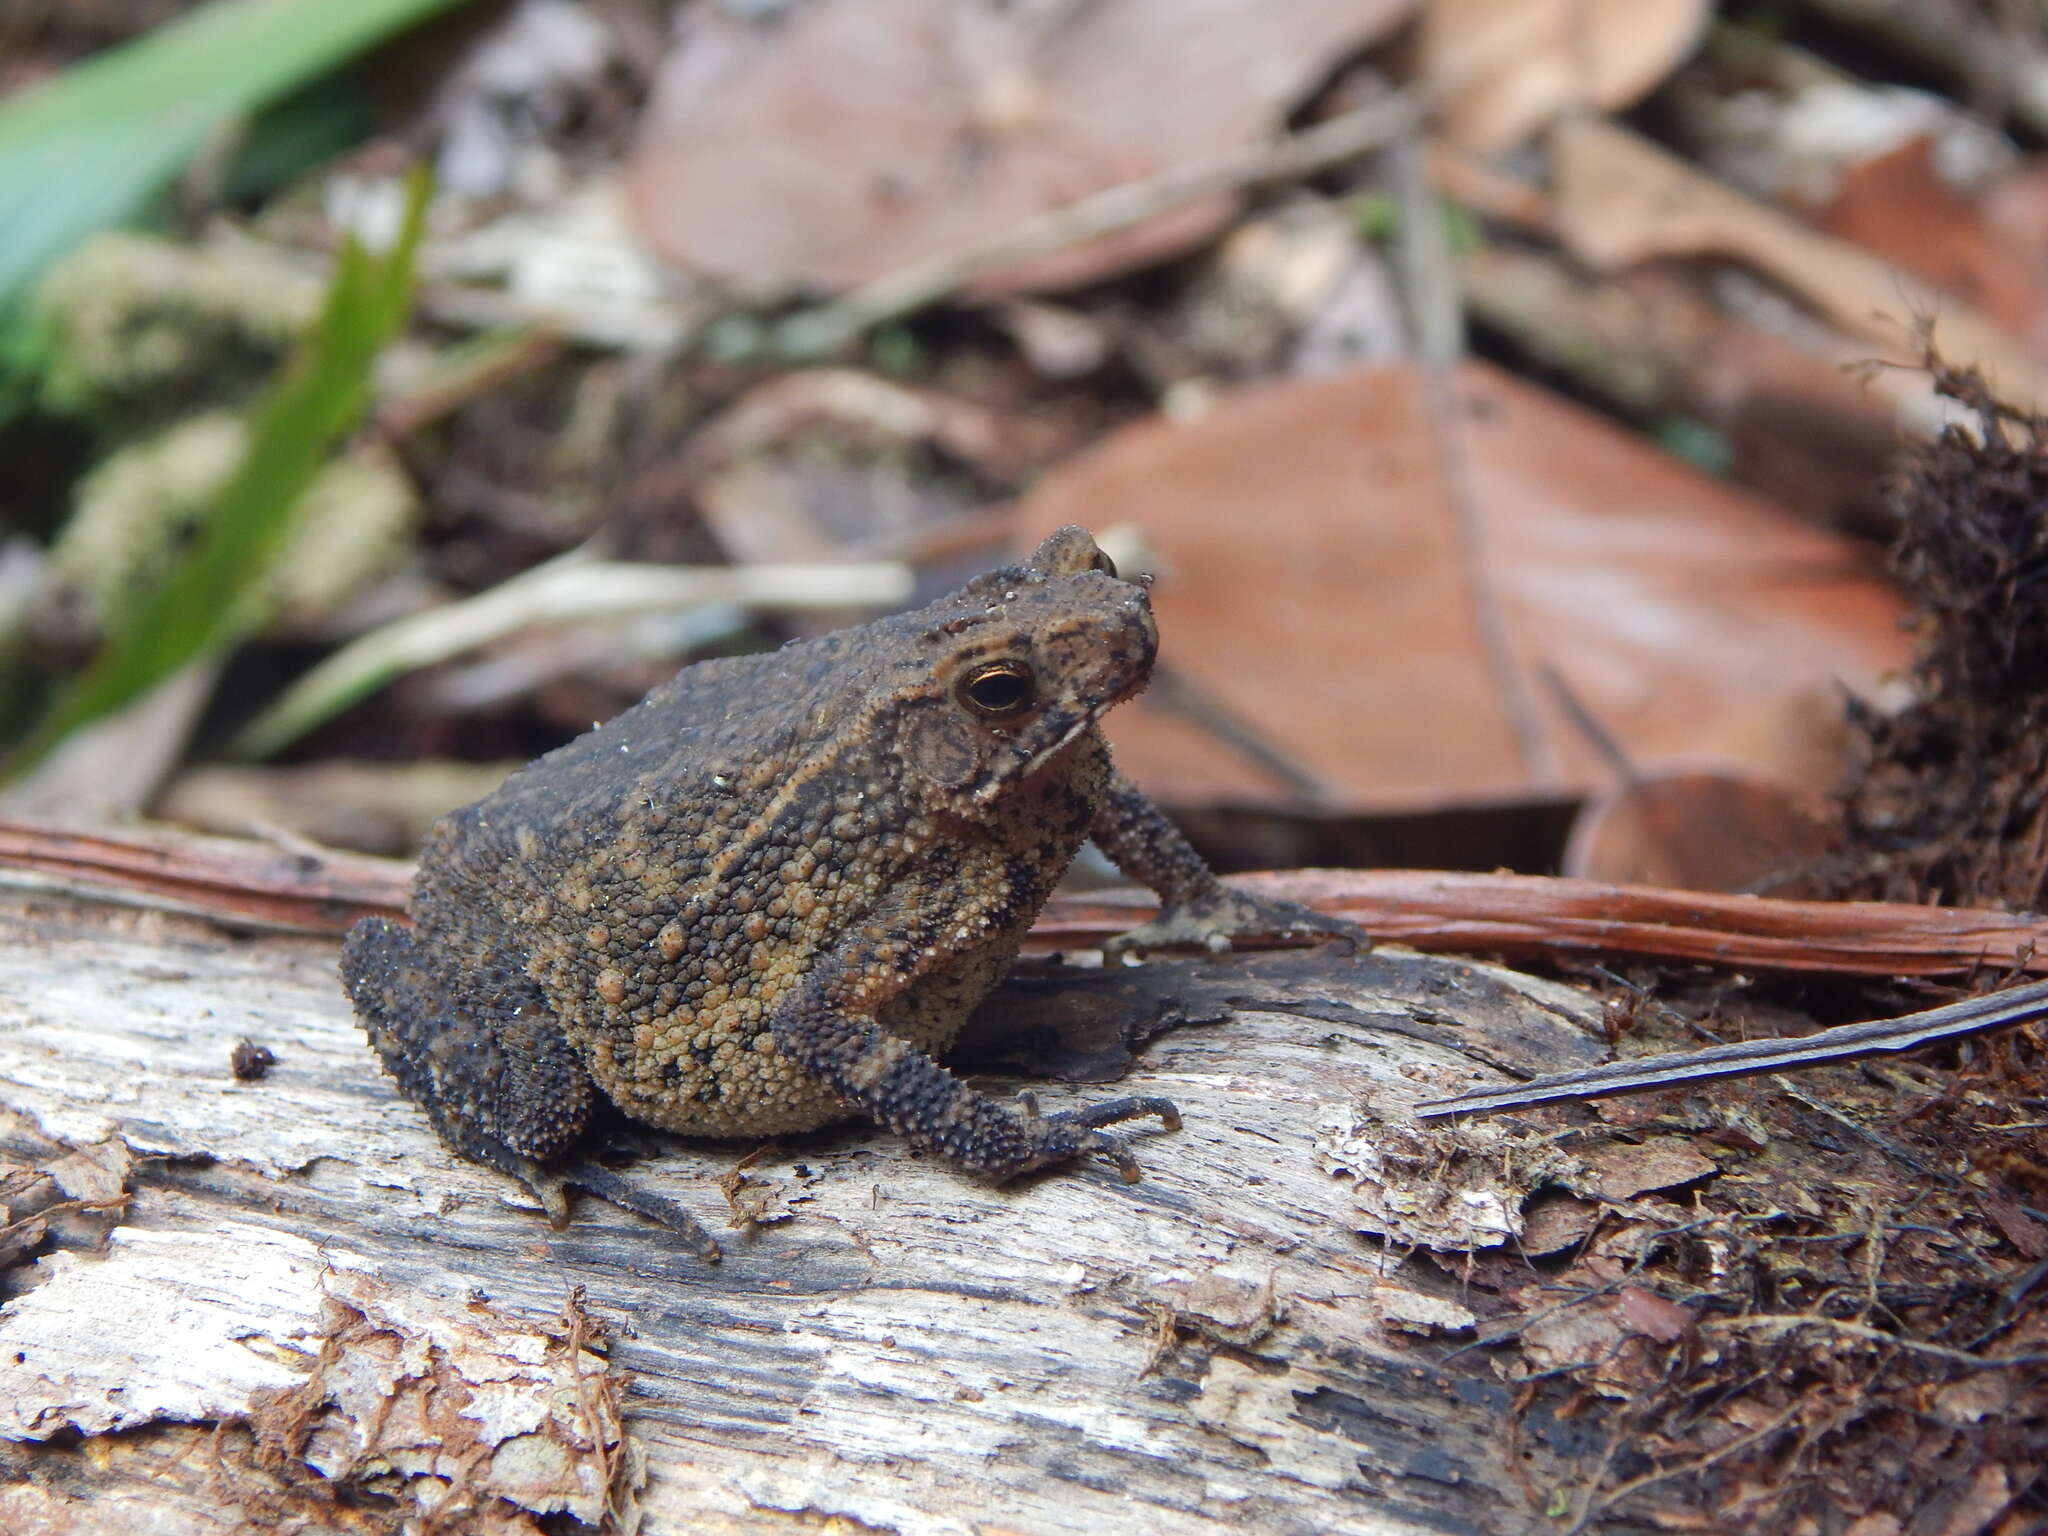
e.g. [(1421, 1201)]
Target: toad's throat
[(1001, 784)]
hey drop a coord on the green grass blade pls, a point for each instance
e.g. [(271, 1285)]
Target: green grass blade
[(93, 146), (210, 600)]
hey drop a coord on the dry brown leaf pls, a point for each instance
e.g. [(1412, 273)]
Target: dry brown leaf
[(815, 465), (1418, 1312), (1237, 1309), (1621, 200), (1648, 1313), (1620, 1171), (1516, 64), (1898, 205), (1573, 1336), (786, 408), (1971, 1399), (1699, 829), (2026, 1234), (1313, 582), (854, 137), (1595, 1340), (1987, 1494), (2016, 210), (1803, 427)]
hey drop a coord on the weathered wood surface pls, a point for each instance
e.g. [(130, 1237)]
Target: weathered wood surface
[(894, 1347)]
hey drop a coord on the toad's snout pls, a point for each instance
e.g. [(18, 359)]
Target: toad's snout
[(1107, 654)]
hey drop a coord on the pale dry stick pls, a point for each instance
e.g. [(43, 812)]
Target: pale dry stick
[(659, 327), (572, 588), (824, 329), (1845, 1042)]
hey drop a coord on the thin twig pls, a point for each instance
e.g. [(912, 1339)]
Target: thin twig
[(1174, 690), (1429, 277), (1845, 1042), (1766, 1322), (1599, 1503), (1521, 915)]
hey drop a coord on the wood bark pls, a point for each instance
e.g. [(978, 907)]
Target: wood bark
[(307, 1315), (323, 890)]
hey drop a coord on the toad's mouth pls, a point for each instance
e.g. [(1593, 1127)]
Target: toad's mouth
[(1029, 763), (1032, 763)]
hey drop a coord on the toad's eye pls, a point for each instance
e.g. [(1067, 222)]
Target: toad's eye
[(1104, 564), (1000, 688)]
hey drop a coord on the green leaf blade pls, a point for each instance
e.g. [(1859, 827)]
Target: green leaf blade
[(93, 146), (210, 600)]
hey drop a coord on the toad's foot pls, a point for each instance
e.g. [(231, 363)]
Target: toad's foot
[(551, 1186), (1217, 919), (1062, 1137)]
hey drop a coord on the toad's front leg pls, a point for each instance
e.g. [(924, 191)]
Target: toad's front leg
[(826, 1025), (1197, 910)]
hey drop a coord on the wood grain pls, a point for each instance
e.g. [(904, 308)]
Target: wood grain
[(891, 1346)]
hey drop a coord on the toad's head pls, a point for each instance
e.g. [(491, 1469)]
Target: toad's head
[(1014, 667)]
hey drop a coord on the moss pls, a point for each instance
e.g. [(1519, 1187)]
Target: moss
[(142, 506), (135, 319)]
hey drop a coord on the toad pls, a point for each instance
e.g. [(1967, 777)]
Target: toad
[(766, 896)]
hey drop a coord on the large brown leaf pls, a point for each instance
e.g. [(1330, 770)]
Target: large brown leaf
[(857, 136), (1313, 584), (1988, 249)]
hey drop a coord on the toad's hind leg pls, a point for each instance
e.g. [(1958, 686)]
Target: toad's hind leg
[(478, 1051), (483, 1056)]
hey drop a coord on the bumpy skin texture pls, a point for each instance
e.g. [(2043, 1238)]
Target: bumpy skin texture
[(759, 900)]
